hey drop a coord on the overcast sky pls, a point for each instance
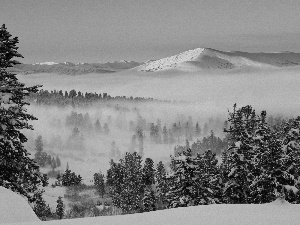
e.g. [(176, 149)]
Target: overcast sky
[(108, 30)]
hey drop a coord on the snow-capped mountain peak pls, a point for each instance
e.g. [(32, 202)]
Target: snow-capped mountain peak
[(207, 58), (172, 61)]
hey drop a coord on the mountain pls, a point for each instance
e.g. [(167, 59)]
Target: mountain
[(191, 60), (207, 58), (74, 69)]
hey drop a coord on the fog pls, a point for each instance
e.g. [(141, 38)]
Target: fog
[(203, 97)]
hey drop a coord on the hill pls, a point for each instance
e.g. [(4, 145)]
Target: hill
[(70, 68), (207, 58)]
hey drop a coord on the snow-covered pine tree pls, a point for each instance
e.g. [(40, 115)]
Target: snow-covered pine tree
[(18, 172), (132, 186), (114, 180), (40, 208), (161, 184), (181, 184), (208, 179), (149, 200), (240, 154), (60, 208), (148, 172)]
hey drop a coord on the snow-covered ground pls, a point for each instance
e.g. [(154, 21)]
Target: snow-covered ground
[(15, 210)]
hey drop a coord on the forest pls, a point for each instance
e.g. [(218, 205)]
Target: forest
[(100, 155)]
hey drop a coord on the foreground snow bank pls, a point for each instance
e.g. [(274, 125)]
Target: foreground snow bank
[(276, 213), (14, 208)]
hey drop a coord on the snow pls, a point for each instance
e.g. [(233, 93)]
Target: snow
[(206, 58), (291, 188), (14, 208), (275, 213), (172, 61)]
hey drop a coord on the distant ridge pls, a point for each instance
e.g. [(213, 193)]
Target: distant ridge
[(70, 68), (207, 58), (191, 60)]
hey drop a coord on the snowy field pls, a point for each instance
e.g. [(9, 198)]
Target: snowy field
[(15, 210)]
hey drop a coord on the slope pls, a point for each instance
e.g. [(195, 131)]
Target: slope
[(15, 210), (207, 58)]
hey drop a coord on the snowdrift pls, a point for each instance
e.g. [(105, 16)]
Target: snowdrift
[(15, 210)]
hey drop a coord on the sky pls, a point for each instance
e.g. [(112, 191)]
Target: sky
[(140, 30)]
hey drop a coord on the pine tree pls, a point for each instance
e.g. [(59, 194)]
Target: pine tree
[(161, 184), (208, 179), (60, 208), (99, 183), (149, 200), (40, 208), (39, 150), (148, 172), (53, 163), (58, 162), (181, 185), (165, 135), (140, 136), (98, 127), (18, 172), (197, 130), (126, 183), (240, 165)]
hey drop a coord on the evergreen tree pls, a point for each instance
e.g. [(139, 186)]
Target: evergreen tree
[(98, 127), (149, 200), (148, 172), (18, 172), (38, 157), (53, 163), (99, 183), (240, 164), (125, 179), (197, 130), (60, 208), (165, 135), (140, 136), (161, 184), (208, 180), (181, 191), (58, 162), (40, 208)]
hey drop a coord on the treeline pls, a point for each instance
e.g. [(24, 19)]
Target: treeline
[(82, 128), (261, 164), (79, 99)]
